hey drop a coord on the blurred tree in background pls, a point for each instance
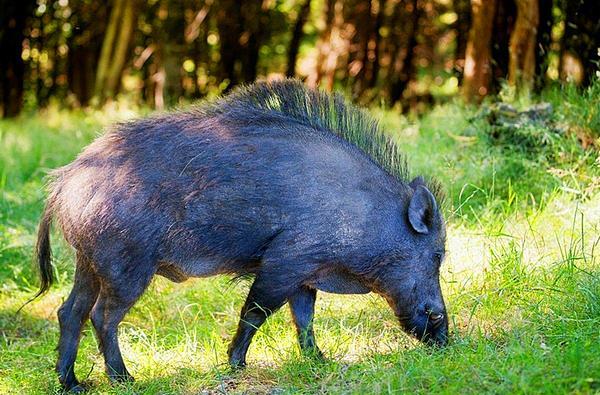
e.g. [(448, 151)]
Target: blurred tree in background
[(405, 53)]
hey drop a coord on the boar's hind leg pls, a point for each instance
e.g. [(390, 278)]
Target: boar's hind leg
[(302, 304), (72, 315), (116, 297), (264, 298)]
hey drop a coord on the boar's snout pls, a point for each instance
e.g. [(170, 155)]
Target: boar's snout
[(430, 325)]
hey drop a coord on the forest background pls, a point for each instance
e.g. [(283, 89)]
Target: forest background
[(396, 53)]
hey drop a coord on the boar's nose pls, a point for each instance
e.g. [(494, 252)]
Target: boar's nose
[(434, 316)]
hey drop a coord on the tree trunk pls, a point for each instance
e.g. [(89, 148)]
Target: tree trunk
[(107, 48), (297, 35), (12, 68), (255, 23), (89, 24), (581, 40), (121, 25), (374, 44), (521, 69), (463, 11), (477, 57), (229, 21), (504, 21), (544, 40), (324, 47), (127, 27), (363, 24), (171, 46), (80, 68), (405, 68)]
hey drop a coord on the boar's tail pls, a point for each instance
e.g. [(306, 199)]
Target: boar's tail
[(44, 252)]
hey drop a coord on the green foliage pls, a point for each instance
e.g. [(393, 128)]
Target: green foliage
[(579, 108), (521, 278)]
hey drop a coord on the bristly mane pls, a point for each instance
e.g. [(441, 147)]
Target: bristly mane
[(331, 112)]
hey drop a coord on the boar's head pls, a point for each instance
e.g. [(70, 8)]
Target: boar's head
[(409, 279)]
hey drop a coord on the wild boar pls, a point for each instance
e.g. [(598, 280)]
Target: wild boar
[(291, 186)]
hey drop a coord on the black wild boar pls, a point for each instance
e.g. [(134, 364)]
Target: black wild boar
[(290, 185)]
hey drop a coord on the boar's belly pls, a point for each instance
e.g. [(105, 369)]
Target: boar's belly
[(171, 272), (339, 282)]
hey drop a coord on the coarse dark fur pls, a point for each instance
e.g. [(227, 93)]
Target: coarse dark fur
[(290, 185)]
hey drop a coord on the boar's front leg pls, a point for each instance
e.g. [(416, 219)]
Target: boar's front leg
[(302, 304), (264, 298)]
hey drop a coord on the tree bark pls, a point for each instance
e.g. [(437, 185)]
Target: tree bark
[(463, 11), (324, 47), (581, 40), (477, 57), (107, 48), (544, 40), (241, 30), (521, 68), (504, 21), (12, 68), (171, 48), (229, 24), (115, 45), (89, 23), (363, 25), (297, 35), (405, 68), (127, 27), (255, 23), (375, 43)]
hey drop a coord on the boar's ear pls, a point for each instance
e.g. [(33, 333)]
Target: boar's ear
[(416, 182), (421, 209)]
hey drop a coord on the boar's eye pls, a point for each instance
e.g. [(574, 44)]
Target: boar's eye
[(438, 256)]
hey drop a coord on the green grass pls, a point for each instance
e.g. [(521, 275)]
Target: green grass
[(522, 278)]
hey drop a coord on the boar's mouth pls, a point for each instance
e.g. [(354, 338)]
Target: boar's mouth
[(426, 332)]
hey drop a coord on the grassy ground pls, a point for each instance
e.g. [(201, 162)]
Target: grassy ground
[(521, 279)]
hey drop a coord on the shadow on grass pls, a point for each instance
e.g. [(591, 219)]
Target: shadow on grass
[(14, 327)]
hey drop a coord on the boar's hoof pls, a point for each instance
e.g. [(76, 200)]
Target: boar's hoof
[(314, 354), (237, 363), (121, 378), (75, 388), (78, 389)]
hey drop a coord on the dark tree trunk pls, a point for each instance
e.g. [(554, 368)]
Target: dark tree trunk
[(357, 67), (171, 45), (255, 22), (373, 55), (393, 45), (241, 30), (13, 19), (579, 58), (401, 80), (544, 39), (229, 17), (463, 12), (89, 24), (297, 34), (80, 73), (506, 13)]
